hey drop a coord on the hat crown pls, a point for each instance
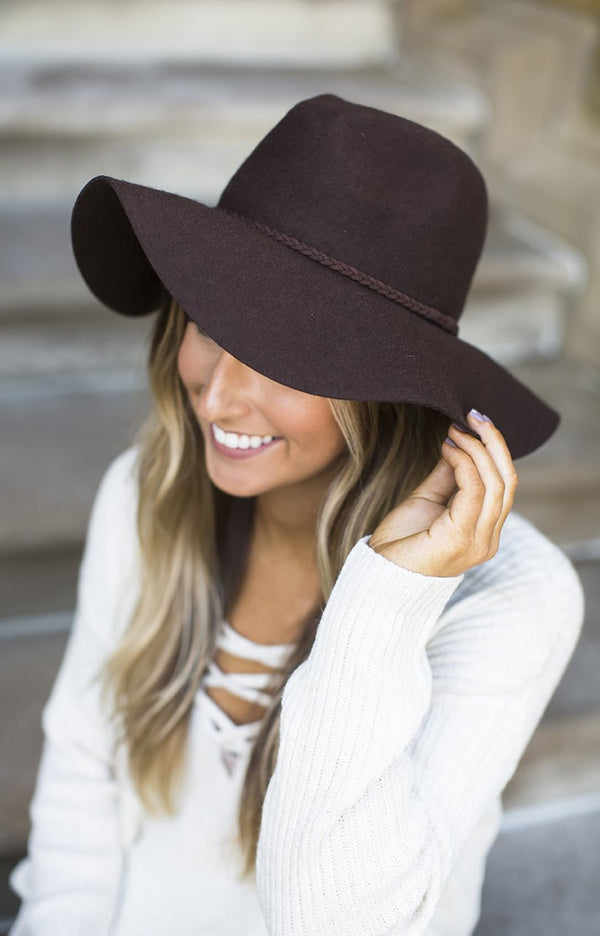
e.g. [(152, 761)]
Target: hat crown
[(379, 192)]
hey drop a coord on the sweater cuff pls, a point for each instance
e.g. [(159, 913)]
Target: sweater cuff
[(368, 578)]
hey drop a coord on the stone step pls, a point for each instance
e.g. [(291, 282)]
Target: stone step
[(559, 484), (95, 100), (578, 694), (559, 769), (28, 666), (471, 36), (543, 880), (330, 32), (9, 902), (538, 65), (532, 60), (58, 438), (524, 288), (570, 169), (185, 127)]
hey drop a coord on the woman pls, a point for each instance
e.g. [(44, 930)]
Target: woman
[(312, 641)]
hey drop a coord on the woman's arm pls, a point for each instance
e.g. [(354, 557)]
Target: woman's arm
[(401, 726), (69, 879)]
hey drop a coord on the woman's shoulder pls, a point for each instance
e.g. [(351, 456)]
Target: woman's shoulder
[(111, 538), (108, 575), (525, 555), (529, 592), (114, 505), (119, 480)]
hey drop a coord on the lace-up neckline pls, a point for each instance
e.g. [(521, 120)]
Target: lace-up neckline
[(250, 686)]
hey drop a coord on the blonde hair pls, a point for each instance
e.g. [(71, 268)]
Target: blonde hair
[(193, 538)]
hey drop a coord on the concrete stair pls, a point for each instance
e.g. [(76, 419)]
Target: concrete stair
[(185, 127), (538, 64), (559, 484), (530, 58), (279, 32), (177, 105), (571, 168)]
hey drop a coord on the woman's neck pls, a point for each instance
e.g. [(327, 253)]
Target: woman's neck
[(285, 518)]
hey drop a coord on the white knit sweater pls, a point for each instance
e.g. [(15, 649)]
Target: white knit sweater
[(398, 735)]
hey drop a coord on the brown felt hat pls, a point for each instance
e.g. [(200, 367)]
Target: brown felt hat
[(337, 261)]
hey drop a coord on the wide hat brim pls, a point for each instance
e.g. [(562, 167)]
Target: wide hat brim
[(285, 315)]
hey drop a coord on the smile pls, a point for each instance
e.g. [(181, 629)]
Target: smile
[(240, 446)]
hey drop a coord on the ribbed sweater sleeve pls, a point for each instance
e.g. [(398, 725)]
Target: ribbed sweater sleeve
[(69, 879), (410, 714)]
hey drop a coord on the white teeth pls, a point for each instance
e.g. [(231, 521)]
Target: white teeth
[(233, 440)]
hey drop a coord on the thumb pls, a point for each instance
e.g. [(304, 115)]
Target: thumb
[(439, 485)]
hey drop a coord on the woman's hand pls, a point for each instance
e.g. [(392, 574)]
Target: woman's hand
[(452, 520)]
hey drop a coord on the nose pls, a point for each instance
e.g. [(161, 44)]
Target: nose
[(227, 389)]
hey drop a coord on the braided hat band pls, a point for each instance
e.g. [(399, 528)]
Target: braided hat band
[(429, 312)]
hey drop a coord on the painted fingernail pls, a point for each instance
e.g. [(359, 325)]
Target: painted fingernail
[(450, 442), (456, 426), (479, 416)]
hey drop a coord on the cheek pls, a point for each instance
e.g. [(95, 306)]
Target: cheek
[(321, 429), (185, 361), (334, 441)]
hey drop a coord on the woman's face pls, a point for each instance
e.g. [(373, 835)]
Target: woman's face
[(226, 393)]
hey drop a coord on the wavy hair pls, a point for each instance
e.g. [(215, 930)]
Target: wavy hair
[(193, 540)]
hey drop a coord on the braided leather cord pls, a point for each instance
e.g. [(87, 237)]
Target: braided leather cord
[(428, 312)]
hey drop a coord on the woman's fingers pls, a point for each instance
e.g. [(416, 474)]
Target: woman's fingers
[(467, 502), (486, 480), (495, 444), (439, 484), (453, 519)]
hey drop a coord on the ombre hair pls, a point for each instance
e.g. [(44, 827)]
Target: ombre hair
[(193, 541)]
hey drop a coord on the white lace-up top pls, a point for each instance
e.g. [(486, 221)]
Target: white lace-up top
[(233, 738), (398, 734)]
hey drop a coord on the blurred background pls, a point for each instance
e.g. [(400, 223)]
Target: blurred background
[(175, 95)]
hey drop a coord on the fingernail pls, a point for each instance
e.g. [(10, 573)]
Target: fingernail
[(450, 442), (456, 426), (479, 416)]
